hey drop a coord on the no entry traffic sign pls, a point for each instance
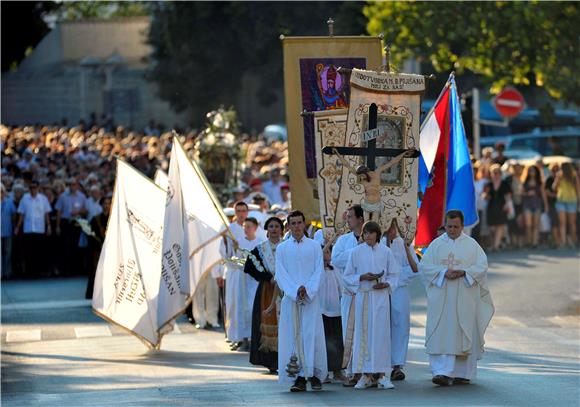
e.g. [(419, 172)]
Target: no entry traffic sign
[(509, 102)]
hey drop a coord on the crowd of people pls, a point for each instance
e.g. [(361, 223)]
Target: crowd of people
[(343, 314), (525, 206), (56, 178), (320, 311)]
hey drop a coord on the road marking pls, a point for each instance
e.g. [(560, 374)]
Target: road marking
[(92, 331), (567, 321), (23, 306), (28, 335), (506, 322)]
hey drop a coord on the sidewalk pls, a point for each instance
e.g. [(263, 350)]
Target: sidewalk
[(49, 293)]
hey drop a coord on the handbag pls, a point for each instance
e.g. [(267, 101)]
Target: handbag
[(545, 224)]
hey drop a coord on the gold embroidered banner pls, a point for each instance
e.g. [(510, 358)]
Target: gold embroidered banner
[(390, 193), (312, 83), (329, 130)]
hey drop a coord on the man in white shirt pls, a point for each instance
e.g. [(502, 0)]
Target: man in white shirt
[(69, 205), (34, 222), (272, 187), (459, 305), (301, 340)]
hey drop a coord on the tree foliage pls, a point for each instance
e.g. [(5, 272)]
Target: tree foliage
[(23, 27), (524, 43), (202, 50), (79, 10)]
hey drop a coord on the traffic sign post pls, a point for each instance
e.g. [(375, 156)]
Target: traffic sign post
[(509, 103)]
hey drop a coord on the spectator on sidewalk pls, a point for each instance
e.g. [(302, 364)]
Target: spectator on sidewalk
[(499, 206), (567, 186), (534, 203), (551, 198), (8, 222), (35, 224), (70, 204)]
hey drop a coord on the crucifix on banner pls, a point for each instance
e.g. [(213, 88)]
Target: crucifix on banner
[(369, 176)]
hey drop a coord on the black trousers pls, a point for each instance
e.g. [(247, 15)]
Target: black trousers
[(34, 255)]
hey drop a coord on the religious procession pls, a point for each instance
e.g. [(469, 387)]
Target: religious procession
[(384, 230)]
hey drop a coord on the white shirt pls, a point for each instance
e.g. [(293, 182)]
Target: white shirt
[(93, 208), (273, 192), (299, 263), (34, 210), (398, 248), (341, 250)]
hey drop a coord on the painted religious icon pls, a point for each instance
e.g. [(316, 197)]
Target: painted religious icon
[(323, 88), (392, 135)]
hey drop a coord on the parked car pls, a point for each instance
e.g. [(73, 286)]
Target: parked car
[(564, 142)]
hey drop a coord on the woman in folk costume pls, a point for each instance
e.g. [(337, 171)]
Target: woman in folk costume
[(400, 299), (372, 272), (261, 265)]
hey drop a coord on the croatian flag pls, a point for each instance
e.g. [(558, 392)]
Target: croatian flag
[(445, 172)]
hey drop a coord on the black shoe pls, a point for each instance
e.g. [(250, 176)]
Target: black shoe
[(299, 385), (461, 380), (442, 380), (315, 383), (397, 374)]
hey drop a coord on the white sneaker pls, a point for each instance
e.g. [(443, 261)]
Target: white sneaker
[(364, 382), (385, 383)]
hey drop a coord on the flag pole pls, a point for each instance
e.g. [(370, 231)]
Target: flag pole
[(430, 112)]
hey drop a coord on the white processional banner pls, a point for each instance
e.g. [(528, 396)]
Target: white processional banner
[(398, 100), (161, 179), (174, 286), (204, 220), (329, 130), (128, 274)]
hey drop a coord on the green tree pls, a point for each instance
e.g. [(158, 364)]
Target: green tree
[(201, 50), (530, 44), (80, 10), (23, 27)]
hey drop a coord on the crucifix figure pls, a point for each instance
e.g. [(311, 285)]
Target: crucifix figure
[(368, 175)]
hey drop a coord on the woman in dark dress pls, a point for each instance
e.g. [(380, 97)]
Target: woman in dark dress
[(498, 195), (99, 228), (261, 265)]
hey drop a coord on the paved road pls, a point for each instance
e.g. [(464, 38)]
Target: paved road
[(55, 352)]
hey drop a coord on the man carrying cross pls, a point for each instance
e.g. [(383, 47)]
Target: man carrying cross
[(459, 305), (368, 175)]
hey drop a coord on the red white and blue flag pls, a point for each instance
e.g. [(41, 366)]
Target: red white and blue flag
[(445, 171)]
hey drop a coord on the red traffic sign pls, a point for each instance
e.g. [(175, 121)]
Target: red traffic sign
[(509, 102)]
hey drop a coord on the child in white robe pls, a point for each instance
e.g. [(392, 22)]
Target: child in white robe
[(372, 272)]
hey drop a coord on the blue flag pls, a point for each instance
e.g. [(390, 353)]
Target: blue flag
[(460, 181)]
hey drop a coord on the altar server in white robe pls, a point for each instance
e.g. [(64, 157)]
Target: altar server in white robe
[(372, 272), (329, 294), (299, 268), (340, 252), (241, 290), (228, 251), (459, 305), (400, 299)]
